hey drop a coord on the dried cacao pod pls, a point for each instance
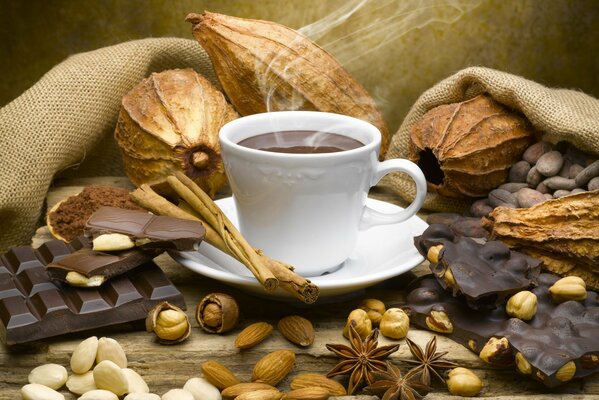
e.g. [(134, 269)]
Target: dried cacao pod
[(264, 66), (466, 149), (170, 122)]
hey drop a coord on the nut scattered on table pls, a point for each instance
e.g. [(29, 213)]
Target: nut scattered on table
[(35, 391), (308, 380), (374, 308), (361, 322), (297, 330), (253, 334), (218, 375), (81, 383), (137, 384), (177, 394), (53, 376), (232, 392), (311, 393), (84, 355), (142, 396), (110, 349), (217, 313), (109, 376), (463, 382), (200, 388), (273, 367), (522, 305), (395, 323), (169, 323), (99, 394)]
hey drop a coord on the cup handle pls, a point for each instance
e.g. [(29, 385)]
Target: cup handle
[(372, 217)]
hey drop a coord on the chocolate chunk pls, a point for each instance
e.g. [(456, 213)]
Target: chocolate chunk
[(33, 307), (147, 230), (484, 274), (559, 333), (470, 227)]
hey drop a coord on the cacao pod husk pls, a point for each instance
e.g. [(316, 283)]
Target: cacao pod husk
[(563, 233), (264, 66), (466, 149), (170, 122)]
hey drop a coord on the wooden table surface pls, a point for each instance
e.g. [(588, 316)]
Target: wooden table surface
[(168, 367)]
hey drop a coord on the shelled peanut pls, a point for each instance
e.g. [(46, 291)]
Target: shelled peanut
[(545, 172)]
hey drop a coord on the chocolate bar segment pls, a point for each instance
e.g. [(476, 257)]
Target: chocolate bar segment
[(484, 274), (148, 231), (561, 336), (33, 307)]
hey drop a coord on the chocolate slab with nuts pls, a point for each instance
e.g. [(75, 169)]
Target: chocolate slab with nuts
[(99, 266), (146, 230), (484, 274), (557, 345), (33, 307)]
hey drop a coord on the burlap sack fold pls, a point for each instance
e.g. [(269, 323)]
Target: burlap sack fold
[(560, 114), (68, 118)]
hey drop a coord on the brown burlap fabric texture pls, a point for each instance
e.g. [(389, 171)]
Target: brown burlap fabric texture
[(560, 114), (67, 119)]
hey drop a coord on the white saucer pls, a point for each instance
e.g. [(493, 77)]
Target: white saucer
[(382, 252)]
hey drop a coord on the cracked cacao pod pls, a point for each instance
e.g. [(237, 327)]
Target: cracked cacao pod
[(170, 122), (466, 149), (264, 66)]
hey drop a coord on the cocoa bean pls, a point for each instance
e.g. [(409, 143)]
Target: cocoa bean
[(594, 184), (577, 157), (548, 196), (499, 196), (534, 152), (550, 163), (442, 218), (518, 172), (575, 170), (480, 208), (579, 190), (565, 171), (529, 197), (558, 182), (507, 205), (469, 226), (560, 193), (587, 174), (534, 177), (513, 187), (542, 188)]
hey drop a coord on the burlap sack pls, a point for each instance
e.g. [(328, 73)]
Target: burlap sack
[(68, 118), (561, 114)]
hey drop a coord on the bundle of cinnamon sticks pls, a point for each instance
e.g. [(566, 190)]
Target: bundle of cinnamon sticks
[(195, 204)]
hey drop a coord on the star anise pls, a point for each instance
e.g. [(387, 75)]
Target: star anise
[(392, 385), (428, 362), (360, 359)]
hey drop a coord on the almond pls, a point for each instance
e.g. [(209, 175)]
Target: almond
[(252, 335), (309, 380), (236, 390), (297, 330), (109, 376), (84, 355), (81, 383), (267, 394), (313, 393), (135, 382), (99, 394), (110, 349), (50, 375), (218, 375), (273, 367), (35, 391)]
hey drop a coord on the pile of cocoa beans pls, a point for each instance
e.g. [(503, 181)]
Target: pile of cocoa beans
[(545, 172)]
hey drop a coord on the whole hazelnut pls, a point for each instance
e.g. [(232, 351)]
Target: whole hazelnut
[(374, 308), (395, 323), (463, 382), (217, 313), (362, 324), (569, 288), (522, 305), (169, 323)]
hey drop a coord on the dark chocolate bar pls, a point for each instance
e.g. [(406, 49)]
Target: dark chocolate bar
[(147, 230), (561, 336), (484, 274), (33, 307), (96, 264)]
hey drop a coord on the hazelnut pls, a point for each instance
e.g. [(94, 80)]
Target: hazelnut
[(472, 345), (395, 323), (362, 324), (217, 313), (463, 382), (523, 364), (432, 255), (566, 372), (448, 278), (522, 305), (497, 351), (374, 308), (169, 323), (438, 321), (569, 288)]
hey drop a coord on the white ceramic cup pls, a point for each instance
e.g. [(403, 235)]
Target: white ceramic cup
[(307, 209)]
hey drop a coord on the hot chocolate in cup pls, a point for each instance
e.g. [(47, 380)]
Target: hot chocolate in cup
[(300, 180)]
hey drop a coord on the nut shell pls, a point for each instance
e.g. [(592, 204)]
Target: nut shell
[(169, 122), (466, 149), (169, 323), (217, 313)]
